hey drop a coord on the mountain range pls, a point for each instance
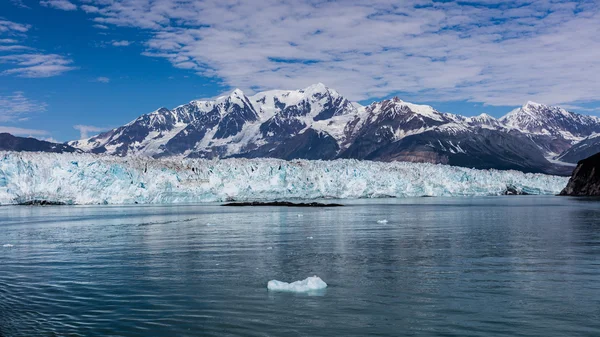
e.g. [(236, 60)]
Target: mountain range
[(319, 123)]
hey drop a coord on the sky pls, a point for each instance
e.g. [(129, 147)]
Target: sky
[(73, 68)]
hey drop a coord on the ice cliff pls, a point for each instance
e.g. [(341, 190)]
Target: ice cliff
[(98, 179)]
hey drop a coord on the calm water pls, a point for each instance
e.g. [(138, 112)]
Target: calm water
[(513, 266)]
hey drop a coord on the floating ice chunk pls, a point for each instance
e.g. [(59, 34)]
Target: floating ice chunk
[(269, 248), (306, 285), (382, 221), (300, 215), (210, 224), (8, 245)]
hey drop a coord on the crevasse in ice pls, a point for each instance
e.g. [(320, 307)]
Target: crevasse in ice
[(100, 179)]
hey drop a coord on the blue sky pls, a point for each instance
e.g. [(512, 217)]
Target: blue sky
[(68, 66)]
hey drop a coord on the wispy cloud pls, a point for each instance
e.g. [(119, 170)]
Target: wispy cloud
[(36, 65), (122, 43), (16, 106), (495, 52), (103, 79), (19, 3), (12, 27), (26, 61), (85, 130), (100, 27), (23, 132), (64, 5), (14, 47)]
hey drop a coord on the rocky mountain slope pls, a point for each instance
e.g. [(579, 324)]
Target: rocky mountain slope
[(319, 123), (9, 142)]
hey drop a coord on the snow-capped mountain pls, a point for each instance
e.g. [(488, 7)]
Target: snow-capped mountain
[(319, 123), (539, 119)]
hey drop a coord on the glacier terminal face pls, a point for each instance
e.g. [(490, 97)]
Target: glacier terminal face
[(102, 179)]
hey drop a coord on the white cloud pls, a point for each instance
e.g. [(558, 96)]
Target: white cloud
[(495, 52), (100, 27), (26, 61), (85, 130), (13, 47), (89, 9), (8, 41), (122, 43), (36, 65), (103, 79), (22, 132), (13, 107), (64, 5), (12, 27)]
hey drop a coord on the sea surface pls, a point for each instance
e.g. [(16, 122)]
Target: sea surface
[(488, 266)]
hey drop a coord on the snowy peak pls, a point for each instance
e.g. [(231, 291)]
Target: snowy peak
[(539, 119), (395, 106), (315, 88), (483, 120)]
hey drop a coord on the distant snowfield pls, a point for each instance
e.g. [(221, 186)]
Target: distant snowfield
[(101, 179)]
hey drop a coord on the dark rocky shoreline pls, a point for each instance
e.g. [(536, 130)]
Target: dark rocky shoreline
[(282, 203)]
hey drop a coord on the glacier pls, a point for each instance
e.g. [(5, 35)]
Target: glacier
[(309, 284), (102, 179)]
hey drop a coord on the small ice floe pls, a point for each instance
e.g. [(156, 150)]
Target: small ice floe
[(309, 284), (309, 237), (382, 221), (210, 224), (7, 245), (299, 215), (269, 248)]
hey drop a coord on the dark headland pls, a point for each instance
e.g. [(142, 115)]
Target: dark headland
[(585, 180), (282, 203)]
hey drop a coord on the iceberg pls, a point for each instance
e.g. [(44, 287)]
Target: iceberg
[(102, 179), (309, 284)]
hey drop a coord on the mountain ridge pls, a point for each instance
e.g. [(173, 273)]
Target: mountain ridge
[(318, 119)]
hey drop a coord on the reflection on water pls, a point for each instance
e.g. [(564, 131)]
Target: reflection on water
[(525, 266)]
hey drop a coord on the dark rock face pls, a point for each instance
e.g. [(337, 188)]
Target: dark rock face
[(9, 142), (187, 139), (278, 128), (511, 190), (41, 203), (234, 120), (585, 180), (310, 145), (482, 149)]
